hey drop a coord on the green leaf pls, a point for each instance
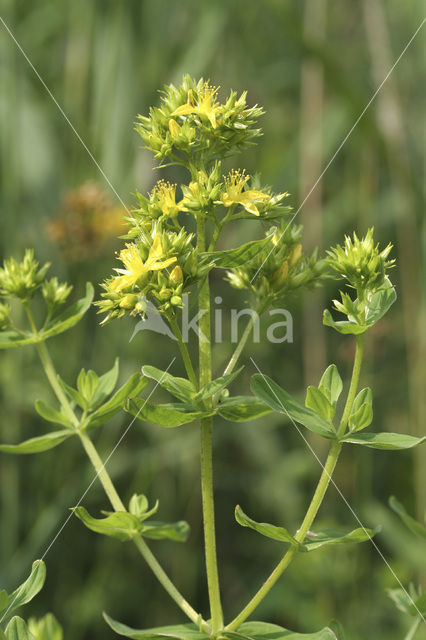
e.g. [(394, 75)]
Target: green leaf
[(17, 630), (330, 536), (162, 415), (46, 628), (72, 394), (331, 384), (365, 396), (410, 522), (343, 326), (51, 415), (105, 386), (12, 338), (279, 400), (26, 591), (215, 386), (87, 381), (242, 408), (230, 258), (266, 631), (177, 531), (384, 440), (70, 316), (179, 387), (138, 506), (38, 444), (265, 529), (361, 418), (128, 391), (120, 525), (176, 632), (380, 303), (317, 401), (377, 306)]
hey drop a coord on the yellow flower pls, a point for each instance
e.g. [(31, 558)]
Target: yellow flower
[(205, 104), (234, 194), (166, 194), (135, 267)]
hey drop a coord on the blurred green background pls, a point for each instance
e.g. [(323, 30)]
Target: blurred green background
[(313, 65)]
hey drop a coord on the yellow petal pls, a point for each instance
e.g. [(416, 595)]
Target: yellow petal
[(156, 266), (156, 251), (183, 110), (122, 282)]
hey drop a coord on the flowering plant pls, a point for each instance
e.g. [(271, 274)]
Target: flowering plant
[(170, 249)]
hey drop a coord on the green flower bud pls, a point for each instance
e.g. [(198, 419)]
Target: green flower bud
[(22, 279)]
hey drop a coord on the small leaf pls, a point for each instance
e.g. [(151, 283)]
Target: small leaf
[(17, 630), (86, 386), (38, 444), (242, 408), (231, 258), (318, 402), (26, 591), (120, 525), (72, 394), (51, 415), (331, 384), (213, 387), (343, 326), (175, 632), (128, 391), (105, 386), (365, 396), (265, 529), (46, 628), (162, 415), (138, 506), (70, 316), (329, 536), (409, 521), (177, 531), (179, 387), (384, 440), (361, 418), (380, 303), (279, 400), (12, 338)]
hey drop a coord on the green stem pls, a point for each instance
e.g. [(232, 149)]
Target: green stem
[(243, 340), (205, 362), (108, 485), (354, 384), (139, 542), (412, 631), (184, 350), (317, 498)]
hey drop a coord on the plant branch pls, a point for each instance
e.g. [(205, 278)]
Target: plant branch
[(184, 350), (317, 498), (109, 487)]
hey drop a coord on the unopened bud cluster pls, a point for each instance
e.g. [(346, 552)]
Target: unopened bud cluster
[(363, 265), (279, 269), (191, 120), (22, 279)]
